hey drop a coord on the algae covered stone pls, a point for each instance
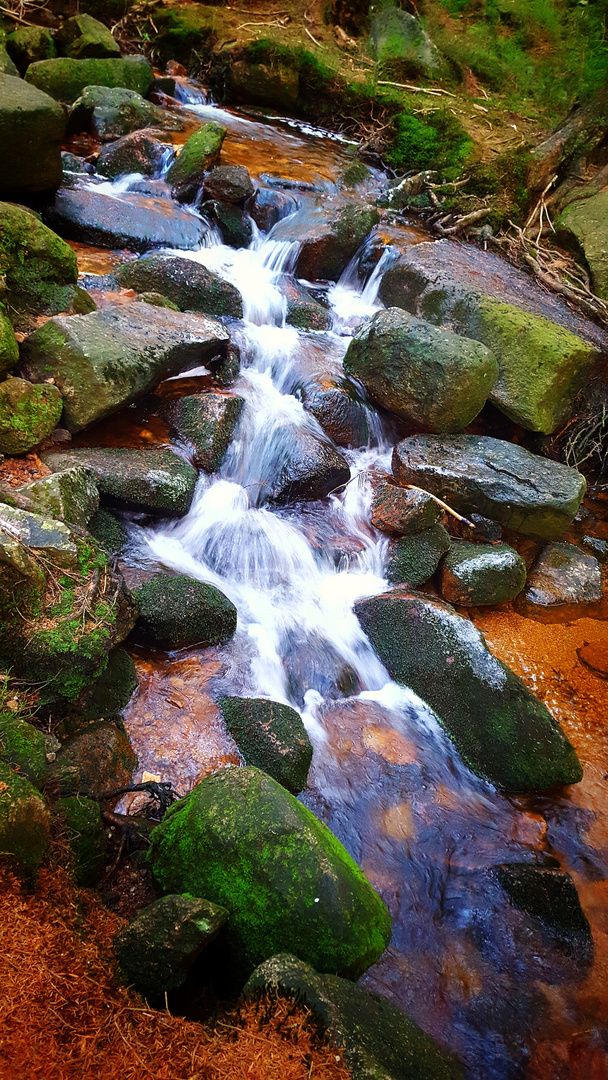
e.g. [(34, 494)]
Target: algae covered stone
[(242, 841), (110, 112), (208, 421), (65, 78), (187, 283), (28, 44), (482, 574), (32, 127), (9, 348), (22, 745), (270, 736), (328, 245), (153, 479), (412, 560), (39, 268), (198, 154), (81, 817), (28, 413), (103, 756), (582, 226), (83, 37), (175, 612), (501, 730), (71, 496), (24, 822)]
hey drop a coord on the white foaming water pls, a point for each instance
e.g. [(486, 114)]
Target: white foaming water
[(354, 301)]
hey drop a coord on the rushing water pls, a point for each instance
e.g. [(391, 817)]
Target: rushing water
[(468, 967)]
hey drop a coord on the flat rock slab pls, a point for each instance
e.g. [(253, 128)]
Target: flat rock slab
[(64, 78), (496, 479), (136, 222), (154, 479), (565, 584), (188, 284), (107, 359)]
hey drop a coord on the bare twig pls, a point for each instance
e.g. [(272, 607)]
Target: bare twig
[(436, 90)]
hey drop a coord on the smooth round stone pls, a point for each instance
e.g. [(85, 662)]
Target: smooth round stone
[(476, 574)]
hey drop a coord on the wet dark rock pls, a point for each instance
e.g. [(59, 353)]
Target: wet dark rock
[(596, 547), (243, 841), (377, 1039), (564, 585), (70, 496), (412, 560), (111, 691), (337, 405), (187, 283), (233, 223), (81, 819), (227, 371), (175, 612), (303, 310), (109, 113), (312, 661), (399, 510), (474, 574), (481, 528), (137, 152), (270, 736), (157, 189), (28, 413), (24, 822), (32, 127), (136, 222), (268, 207), (108, 531), (156, 950), (550, 896), (109, 358), (501, 730), (311, 469), (22, 746), (198, 154), (229, 183), (330, 244), (65, 79), (103, 756), (71, 163), (208, 422), (83, 37), (421, 372), (154, 479), (497, 479), (28, 44), (275, 84)]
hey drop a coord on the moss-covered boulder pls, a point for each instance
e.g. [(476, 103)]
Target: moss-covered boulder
[(198, 154), (81, 818), (28, 413), (303, 310), (232, 221), (582, 226), (108, 531), (412, 560), (330, 243), (153, 480), (64, 78), (270, 736), (24, 822), (496, 479), (402, 46), (184, 32), (207, 421), (187, 283), (156, 950), (83, 37), (501, 730), (9, 348), (7, 67), (28, 44), (103, 756), (175, 612), (40, 270), (482, 574), (71, 496), (421, 372), (22, 746), (32, 127), (400, 510), (549, 895), (111, 691), (111, 357), (378, 1041), (110, 112), (276, 84), (242, 841), (137, 152), (565, 584)]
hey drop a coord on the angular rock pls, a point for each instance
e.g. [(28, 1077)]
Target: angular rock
[(421, 372), (550, 896), (111, 691), (198, 154), (270, 736), (582, 226), (303, 310), (109, 532), (176, 612), (564, 585), (233, 222), (24, 822), (154, 479), (64, 78), (502, 732), (400, 43), (28, 413), (412, 560), (137, 152), (229, 183), (109, 113), (399, 510), (330, 244), (379, 1042), (24, 535), (109, 358), (187, 283), (269, 207), (156, 950), (337, 405), (83, 37), (32, 127), (6, 64), (71, 496), (496, 479), (474, 574), (311, 469), (208, 422), (9, 348), (81, 817), (28, 44), (136, 222), (103, 756), (241, 840), (23, 747)]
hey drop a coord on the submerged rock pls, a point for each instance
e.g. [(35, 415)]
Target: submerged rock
[(81, 818), (187, 283), (242, 841), (175, 612), (474, 574), (28, 413), (108, 359), (153, 479), (550, 896), (378, 1040), (137, 152), (420, 372), (496, 479), (24, 822), (270, 736), (311, 469), (401, 510), (582, 226), (156, 950), (229, 183), (69, 496), (65, 78), (208, 422), (412, 560), (32, 127), (83, 37), (198, 154), (501, 730), (564, 585)]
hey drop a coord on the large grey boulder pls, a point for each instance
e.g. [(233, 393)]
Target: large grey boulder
[(154, 480), (188, 284), (64, 78), (583, 226), (112, 112), (32, 127), (398, 41), (496, 479), (109, 358), (564, 585), (501, 730)]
